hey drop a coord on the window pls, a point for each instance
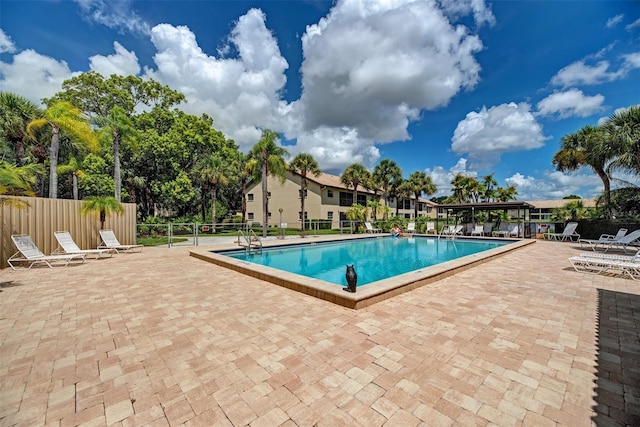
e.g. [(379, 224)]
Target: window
[(362, 199), (269, 214), (330, 193), (329, 215), (250, 215), (250, 197), (346, 199)]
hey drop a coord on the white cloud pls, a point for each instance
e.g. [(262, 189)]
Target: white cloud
[(570, 103), (373, 66), (581, 73), (122, 62), (115, 14), (6, 44), (458, 8), (442, 177), (612, 22), (633, 25), (242, 94), (631, 61), (33, 76), (489, 133), (556, 185)]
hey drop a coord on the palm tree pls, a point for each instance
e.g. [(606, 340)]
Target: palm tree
[(15, 114), (119, 127), (488, 187), (244, 172), (401, 190), (62, 116), (214, 171), (506, 194), (17, 181), (304, 164), (385, 174), (353, 176), (419, 183), (73, 168), (623, 134), (270, 160), (103, 205), (586, 148)]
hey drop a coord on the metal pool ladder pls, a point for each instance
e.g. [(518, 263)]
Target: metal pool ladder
[(249, 240)]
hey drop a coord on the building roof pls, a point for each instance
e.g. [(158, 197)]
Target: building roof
[(558, 203)]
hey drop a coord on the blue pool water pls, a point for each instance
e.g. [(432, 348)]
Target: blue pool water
[(374, 259)]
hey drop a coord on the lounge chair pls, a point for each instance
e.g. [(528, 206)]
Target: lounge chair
[(109, 241), (369, 228), (29, 252), (604, 238), (568, 233), (631, 239), (411, 228), (487, 228), (502, 231), (478, 230), (597, 265), (514, 230), (431, 228), (451, 230), (599, 255), (66, 245)]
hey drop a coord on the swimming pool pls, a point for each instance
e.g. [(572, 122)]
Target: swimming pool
[(373, 259)]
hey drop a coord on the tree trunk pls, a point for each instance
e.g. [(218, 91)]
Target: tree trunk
[(265, 197), (116, 165), (303, 187), (53, 162), (74, 180), (214, 195), (415, 207), (19, 146), (606, 193)]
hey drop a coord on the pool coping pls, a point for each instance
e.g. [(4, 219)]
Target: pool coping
[(366, 295)]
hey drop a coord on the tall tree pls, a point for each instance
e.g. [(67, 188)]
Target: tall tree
[(215, 171), (244, 172), (270, 161), (353, 176), (304, 164), (506, 194), (488, 188), (402, 192), (419, 183), (622, 131), (586, 148), (118, 126), (15, 114), (96, 96), (385, 174), (74, 169), (62, 116)]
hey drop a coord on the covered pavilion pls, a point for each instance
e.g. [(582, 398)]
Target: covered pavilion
[(519, 208)]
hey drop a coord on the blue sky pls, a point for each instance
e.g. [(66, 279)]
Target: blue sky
[(441, 86)]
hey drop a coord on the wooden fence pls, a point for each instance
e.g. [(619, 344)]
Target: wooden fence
[(42, 216)]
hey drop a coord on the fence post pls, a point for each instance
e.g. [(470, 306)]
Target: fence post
[(169, 235), (195, 235)]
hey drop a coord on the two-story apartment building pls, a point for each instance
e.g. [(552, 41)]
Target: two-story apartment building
[(326, 198)]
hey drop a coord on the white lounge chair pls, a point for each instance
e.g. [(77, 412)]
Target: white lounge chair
[(604, 238), (66, 245), (411, 228), (514, 230), (451, 230), (369, 228), (597, 265), (502, 231), (29, 252), (478, 230), (599, 255), (431, 228), (568, 233), (487, 228), (109, 241), (631, 239)]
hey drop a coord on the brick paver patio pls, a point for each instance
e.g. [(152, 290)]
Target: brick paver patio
[(161, 338)]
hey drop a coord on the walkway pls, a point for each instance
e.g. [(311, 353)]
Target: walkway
[(161, 338)]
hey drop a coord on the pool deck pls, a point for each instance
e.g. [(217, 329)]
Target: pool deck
[(162, 338)]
